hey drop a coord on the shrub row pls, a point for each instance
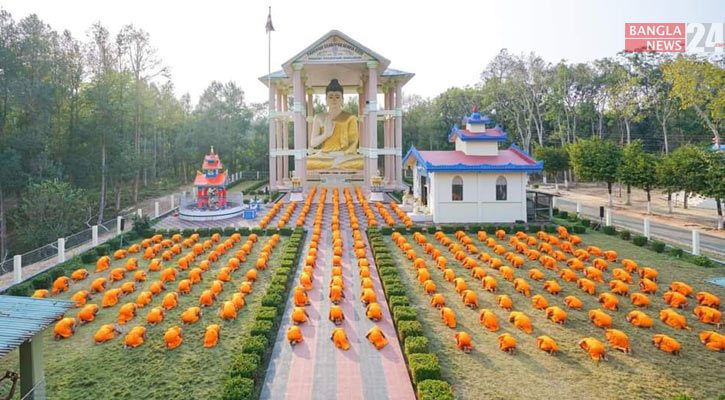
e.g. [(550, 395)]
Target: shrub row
[(247, 372), (423, 366)]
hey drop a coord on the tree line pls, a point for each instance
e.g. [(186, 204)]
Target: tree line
[(94, 122)]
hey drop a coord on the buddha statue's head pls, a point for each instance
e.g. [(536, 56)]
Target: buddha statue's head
[(334, 95)]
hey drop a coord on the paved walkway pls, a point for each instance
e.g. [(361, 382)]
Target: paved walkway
[(315, 368)]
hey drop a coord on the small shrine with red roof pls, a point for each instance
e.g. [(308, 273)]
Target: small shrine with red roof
[(211, 191), (477, 182)]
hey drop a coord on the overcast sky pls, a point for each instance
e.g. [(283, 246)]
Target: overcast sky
[(445, 43)]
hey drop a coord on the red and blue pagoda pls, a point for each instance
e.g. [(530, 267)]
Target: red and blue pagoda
[(211, 190)]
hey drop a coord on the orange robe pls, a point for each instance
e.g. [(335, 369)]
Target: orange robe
[(594, 347), (116, 274), (464, 341), (673, 319), (128, 287), (110, 298), (622, 275), (88, 313), (98, 285), (618, 340), (713, 340), (666, 344), (639, 319), (157, 287), (708, 299), (675, 299), (103, 263), (505, 302), (80, 297), (376, 336), (489, 320), (339, 338), (368, 296), (556, 314), (170, 301), (126, 313), (437, 300), (228, 311), (520, 321), (647, 286), (195, 275), (155, 316), (143, 299), (140, 276), (40, 294), (470, 299), (522, 287), (449, 317), (238, 300), (245, 287), (294, 334), (639, 299), (64, 328), (573, 302), (191, 315), (207, 298), (79, 274), (135, 337), (600, 318), (552, 287), (374, 312), (299, 315), (336, 315), (173, 337), (184, 286), (106, 333), (60, 285), (547, 344), (618, 287), (539, 302), (708, 315), (211, 335), (490, 284), (168, 274), (609, 301)]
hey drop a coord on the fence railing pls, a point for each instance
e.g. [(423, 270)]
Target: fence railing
[(692, 240), (25, 266)]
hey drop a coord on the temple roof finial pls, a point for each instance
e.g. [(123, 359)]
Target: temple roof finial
[(475, 109), (212, 149)]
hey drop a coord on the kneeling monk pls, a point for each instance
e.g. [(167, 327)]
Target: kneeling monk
[(135, 337), (507, 343), (547, 344), (65, 328), (299, 315), (294, 335), (339, 337), (173, 338), (336, 315), (666, 344), (211, 336), (106, 333), (618, 340), (463, 341), (376, 336), (594, 347)]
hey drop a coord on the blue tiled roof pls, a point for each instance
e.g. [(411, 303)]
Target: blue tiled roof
[(22, 317)]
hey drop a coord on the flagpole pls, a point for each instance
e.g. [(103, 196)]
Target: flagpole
[(269, 62)]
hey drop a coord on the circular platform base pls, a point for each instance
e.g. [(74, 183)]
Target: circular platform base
[(191, 213)]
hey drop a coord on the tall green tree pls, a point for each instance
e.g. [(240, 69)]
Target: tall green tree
[(714, 182), (596, 160), (556, 160), (639, 169)]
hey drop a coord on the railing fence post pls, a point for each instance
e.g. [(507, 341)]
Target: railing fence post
[(17, 269), (695, 242), (94, 235), (61, 250)]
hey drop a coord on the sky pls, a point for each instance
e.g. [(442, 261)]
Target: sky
[(445, 43)]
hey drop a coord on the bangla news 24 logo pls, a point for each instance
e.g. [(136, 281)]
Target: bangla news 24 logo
[(674, 37)]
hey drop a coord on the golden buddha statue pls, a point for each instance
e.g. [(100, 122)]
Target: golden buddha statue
[(334, 139)]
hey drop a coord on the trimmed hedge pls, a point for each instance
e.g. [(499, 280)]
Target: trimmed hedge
[(267, 313), (610, 230), (403, 313), (424, 366), (639, 240), (416, 344), (657, 246), (434, 389), (579, 229), (398, 301), (255, 345), (238, 389), (246, 365), (262, 328), (409, 328)]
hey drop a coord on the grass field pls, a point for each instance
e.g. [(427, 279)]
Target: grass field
[(242, 186), (488, 373), (76, 368)]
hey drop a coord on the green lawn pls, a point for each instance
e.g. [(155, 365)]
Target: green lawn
[(76, 368), (488, 373), (242, 186)]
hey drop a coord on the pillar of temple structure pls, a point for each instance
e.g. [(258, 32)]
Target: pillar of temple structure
[(299, 124), (272, 139), (398, 134), (278, 123), (389, 140), (285, 136), (371, 147)]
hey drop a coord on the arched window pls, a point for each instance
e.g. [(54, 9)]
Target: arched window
[(457, 189), (500, 188)]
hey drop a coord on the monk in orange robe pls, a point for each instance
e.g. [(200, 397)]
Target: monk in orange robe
[(505, 302), (594, 347), (103, 263), (60, 285), (708, 315), (520, 321), (673, 319), (609, 301), (195, 275), (191, 315), (170, 301), (556, 314), (449, 317), (336, 315), (376, 336), (675, 299), (245, 287), (156, 315), (173, 337), (110, 298), (470, 299), (105, 333), (374, 312), (140, 276), (294, 335), (157, 287), (64, 328), (80, 297), (207, 298), (639, 299), (131, 264), (98, 285), (490, 284), (713, 340), (622, 275), (339, 338), (128, 287), (647, 286), (523, 287), (463, 342), (587, 286), (429, 286), (135, 337), (299, 315), (547, 344), (708, 299), (666, 344), (116, 274), (238, 300), (539, 302), (573, 302), (489, 320), (682, 288), (144, 299), (87, 314), (184, 286), (168, 274), (79, 275), (600, 319), (639, 319), (155, 265), (211, 335), (228, 311), (300, 297), (368, 296), (552, 287), (618, 287), (127, 312), (437, 300)]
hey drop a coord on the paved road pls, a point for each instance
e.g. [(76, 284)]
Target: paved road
[(668, 233)]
